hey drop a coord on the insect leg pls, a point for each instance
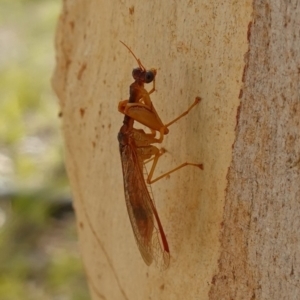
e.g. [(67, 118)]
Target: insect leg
[(153, 88), (122, 106), (150, 180), (197, 100), (161, 150), (148, 152), (145, 139)]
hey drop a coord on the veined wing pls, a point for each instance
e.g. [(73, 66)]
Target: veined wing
[(146, 225)]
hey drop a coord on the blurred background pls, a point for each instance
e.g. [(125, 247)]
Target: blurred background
[(39, 255)]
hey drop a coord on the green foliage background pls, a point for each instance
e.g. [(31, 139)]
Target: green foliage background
[(39, 256)]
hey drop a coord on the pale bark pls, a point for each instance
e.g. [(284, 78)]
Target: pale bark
[(233, 227)]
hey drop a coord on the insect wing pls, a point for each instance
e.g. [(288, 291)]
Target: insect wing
[(143, 216)]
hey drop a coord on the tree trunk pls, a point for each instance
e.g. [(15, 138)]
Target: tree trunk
[(233, 227)]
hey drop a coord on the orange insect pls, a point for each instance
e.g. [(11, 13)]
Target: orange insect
[(136, 150)]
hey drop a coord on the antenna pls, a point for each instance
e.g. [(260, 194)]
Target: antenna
[(137, 59)]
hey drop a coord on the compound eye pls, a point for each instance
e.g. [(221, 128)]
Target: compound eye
[(149, 76)]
